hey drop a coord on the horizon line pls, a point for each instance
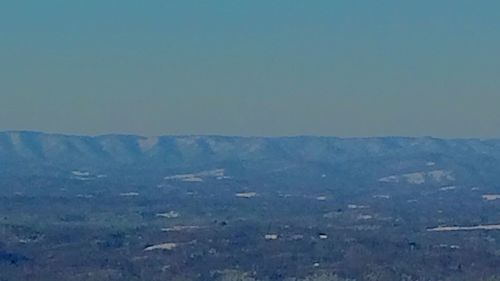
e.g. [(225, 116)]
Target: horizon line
[(242, 136)]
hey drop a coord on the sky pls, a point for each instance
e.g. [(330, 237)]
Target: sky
[(251, 68)]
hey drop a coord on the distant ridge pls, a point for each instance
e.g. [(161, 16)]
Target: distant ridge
[(35, 153)]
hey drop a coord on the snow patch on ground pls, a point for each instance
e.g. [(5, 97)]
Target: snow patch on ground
[(491, 197), (164, 246), (453, 247), (180, 228), (353, 206), (465, 228), (80, 174), (441, 175), (418, 178), (415, 178), (146, 144), (246, 194), (169, 215), (85, 175), (271, 236), (129, 194), (389, 179), (448, 188), (200, 176), (365, 217)]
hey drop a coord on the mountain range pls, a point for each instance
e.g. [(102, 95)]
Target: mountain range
[(386, 160)]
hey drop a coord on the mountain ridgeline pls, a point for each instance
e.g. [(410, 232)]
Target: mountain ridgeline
[(365, 160)]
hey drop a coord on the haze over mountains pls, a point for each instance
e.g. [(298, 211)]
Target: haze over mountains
[(364, 160)]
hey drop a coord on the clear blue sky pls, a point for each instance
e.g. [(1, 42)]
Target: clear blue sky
[(256, 67)]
